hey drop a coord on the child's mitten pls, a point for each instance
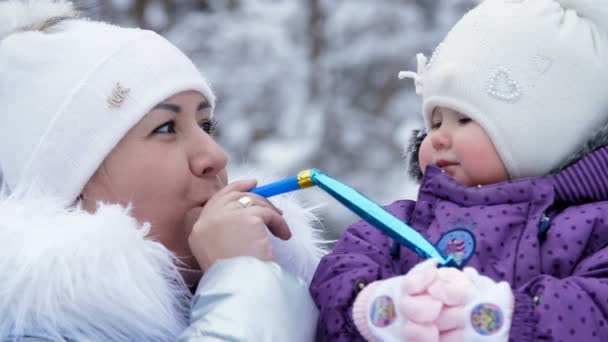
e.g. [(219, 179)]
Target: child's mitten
[(475, 308), (383, 310)]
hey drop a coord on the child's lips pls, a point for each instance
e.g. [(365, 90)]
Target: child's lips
[(442, 163), (447, 166)]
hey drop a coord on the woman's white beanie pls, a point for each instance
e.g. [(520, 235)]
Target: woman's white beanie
[(532, 73), (69, 92)]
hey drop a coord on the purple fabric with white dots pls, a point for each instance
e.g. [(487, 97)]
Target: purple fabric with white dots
[(560, 282)]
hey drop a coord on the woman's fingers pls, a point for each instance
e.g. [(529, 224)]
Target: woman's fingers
[(273, 220), (237, 190), (232, 192), (261, 201), (242, 185)]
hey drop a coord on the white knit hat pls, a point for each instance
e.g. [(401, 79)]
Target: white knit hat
[(71, 91), (532, 73)]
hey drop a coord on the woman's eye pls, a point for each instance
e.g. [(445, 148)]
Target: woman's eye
[(464, 121), (166, 128), (209, 125)]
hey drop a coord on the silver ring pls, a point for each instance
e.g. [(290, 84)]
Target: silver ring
[(245, 201)]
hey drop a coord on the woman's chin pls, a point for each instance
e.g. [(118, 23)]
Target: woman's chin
[(190, 218)]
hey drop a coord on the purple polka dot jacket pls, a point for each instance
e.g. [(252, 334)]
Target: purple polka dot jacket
[(545, 236)]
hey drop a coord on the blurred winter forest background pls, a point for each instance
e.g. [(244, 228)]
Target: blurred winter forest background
[(307, 83)]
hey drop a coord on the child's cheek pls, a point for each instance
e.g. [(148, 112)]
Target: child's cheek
[(425, 156)]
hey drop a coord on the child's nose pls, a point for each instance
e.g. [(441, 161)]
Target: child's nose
[(441, 139), (208, 157)]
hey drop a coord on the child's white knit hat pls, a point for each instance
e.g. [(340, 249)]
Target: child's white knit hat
[(71, 88), (532, 73)]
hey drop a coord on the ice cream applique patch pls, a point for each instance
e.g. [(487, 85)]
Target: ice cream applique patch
[(459, 244), (382, 312)]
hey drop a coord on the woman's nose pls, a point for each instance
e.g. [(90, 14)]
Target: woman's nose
[(208, 157), (441, 139)]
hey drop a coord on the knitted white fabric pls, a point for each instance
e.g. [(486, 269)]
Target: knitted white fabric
[(57, 86), (532, 73)]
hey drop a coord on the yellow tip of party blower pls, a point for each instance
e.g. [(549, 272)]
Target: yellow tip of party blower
[(367, 209)]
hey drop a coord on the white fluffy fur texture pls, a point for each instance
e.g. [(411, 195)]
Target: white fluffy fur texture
[(17, 14), (67, 273), (300, 254), (86, 277)]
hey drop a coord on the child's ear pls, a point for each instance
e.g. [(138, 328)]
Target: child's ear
[(411, 153)]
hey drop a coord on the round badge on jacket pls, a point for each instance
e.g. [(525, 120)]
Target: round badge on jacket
[(459, 244)]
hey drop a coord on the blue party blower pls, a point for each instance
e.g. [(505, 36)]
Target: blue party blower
[(367, 209)]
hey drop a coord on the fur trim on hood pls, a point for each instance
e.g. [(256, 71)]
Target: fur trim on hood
[(412, 152), (301, 254), (597, 139), (66, 273), (70, 274)]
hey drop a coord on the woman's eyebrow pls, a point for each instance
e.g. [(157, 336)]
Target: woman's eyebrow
[(203, 105), (177, 109), (168, 106)]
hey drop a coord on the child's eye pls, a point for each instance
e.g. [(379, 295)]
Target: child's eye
[(209, 126), (436, 125), (166, 128), (464, 121)]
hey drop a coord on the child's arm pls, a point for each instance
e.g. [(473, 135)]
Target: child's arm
[(362, 256), (574, 308)]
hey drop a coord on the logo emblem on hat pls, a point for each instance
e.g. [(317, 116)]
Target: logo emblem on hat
[(118, 96)]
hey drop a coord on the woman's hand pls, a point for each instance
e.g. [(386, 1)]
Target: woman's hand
[(228, 228)]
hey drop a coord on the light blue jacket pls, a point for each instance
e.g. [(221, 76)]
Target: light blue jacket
[(244, 299)]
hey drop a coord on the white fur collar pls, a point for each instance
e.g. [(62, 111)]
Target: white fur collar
[(66, 273), (301, 254)]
